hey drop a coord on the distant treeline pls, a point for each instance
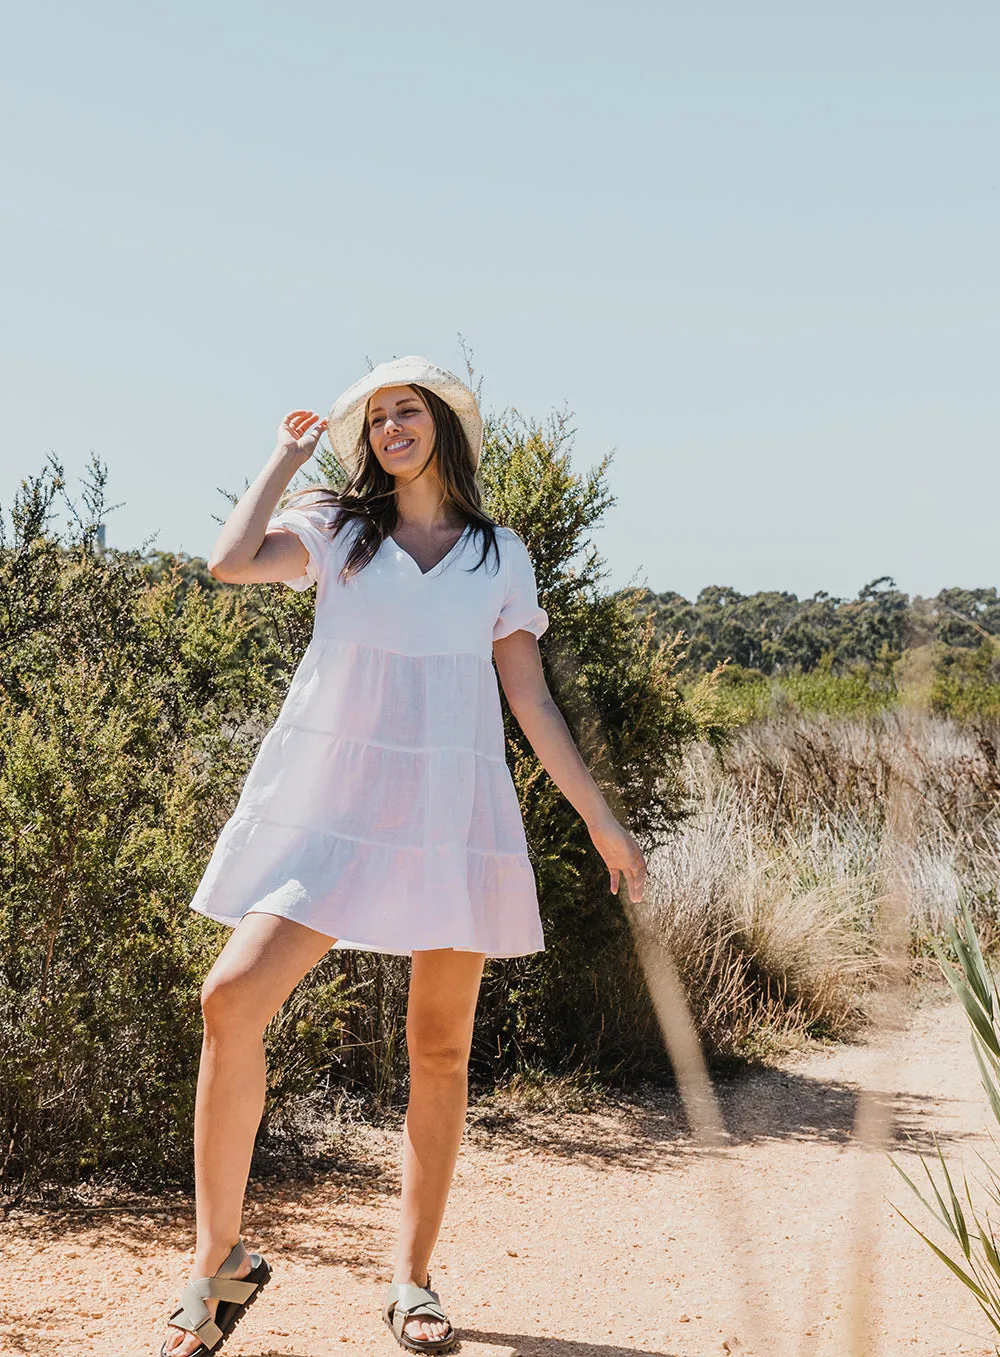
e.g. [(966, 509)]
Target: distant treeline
[(776, 634)]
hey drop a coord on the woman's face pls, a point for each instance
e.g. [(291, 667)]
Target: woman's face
[(400, 429)]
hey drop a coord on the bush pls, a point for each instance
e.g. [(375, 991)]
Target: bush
[(768, 913), (971, 1248), (967, 683), (129, 711), (746, 695)]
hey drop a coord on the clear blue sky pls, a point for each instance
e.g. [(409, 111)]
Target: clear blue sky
[(754, 248)]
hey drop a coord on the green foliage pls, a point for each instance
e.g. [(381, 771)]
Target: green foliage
[(742, 696), (130, 707), (964, 615), (834, 657), (967, 682), (133, 696)]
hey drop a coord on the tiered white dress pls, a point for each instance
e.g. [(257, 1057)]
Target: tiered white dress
[(380, 809)]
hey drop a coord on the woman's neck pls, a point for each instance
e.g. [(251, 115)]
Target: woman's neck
[(421, 505)]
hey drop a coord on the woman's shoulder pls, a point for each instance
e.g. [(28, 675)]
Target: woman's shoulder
[(323, 512), (507, 537), (511, 544)]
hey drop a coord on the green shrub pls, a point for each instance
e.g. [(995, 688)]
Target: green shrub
[(967, 683), (859, 692), (129, 711), (742, 696)]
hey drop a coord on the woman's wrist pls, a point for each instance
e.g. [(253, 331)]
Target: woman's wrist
[(284, 455)]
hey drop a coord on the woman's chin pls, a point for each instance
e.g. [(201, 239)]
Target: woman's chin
[(406, 468)]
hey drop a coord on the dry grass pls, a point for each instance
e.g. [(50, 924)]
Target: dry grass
[(770, 898)]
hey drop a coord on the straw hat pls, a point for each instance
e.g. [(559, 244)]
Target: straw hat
[(347, 417)]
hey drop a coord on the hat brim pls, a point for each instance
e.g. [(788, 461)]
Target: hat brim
[(346, 419)]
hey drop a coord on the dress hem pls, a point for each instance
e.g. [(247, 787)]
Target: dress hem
[(345, 944)]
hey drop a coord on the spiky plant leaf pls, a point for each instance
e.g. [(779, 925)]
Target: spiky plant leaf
[(979, 1017), (959, 1271), (961, 1228)]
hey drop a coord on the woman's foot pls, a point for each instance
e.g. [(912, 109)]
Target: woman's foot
[(422, 1326), (181, 1342)]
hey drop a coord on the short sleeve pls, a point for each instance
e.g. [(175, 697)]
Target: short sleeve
[(520, 611), (311, 524)]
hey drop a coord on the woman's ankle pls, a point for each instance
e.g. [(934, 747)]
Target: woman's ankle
[(210, 1256), (401, 1278)]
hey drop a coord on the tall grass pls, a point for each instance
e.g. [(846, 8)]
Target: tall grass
[(769, 898)]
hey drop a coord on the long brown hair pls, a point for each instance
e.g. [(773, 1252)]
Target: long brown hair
[(369, 496)]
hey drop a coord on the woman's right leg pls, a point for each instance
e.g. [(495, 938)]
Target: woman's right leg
[(258, 968)]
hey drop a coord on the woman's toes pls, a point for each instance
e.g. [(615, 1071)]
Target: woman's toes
[(431, 1329), (180, 1342)]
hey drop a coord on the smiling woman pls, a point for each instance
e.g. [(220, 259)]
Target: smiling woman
[(380, 812)]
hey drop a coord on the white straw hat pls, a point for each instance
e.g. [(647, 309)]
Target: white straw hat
[(347, 417)]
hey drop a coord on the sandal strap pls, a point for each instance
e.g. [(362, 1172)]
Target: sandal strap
[(218, 1288), (407, 1301), (236, 1256), (196, 1319), (193, 1315)]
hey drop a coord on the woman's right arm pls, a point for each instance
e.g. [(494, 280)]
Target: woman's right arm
[(246, 553)]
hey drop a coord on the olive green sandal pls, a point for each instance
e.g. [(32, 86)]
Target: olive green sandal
[(403, 1301), (234, 1294)]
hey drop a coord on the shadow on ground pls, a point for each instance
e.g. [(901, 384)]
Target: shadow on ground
[(636, 1131), (272, 1221), (526, 1346)]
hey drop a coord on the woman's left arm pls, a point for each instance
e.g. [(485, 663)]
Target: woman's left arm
[(519, 665)]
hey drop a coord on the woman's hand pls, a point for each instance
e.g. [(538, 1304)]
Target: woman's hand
[(621, 853), (298, 434)]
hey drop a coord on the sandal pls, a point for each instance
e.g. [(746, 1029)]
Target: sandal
[(403, 1301), (234, 1294)]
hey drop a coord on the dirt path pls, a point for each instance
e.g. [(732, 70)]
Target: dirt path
[(594, 1235)]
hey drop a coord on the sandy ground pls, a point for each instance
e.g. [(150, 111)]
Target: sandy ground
[(601, 1234)]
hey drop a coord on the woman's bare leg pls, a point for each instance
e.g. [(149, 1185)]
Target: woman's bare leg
[(444, 989), (258, 968)]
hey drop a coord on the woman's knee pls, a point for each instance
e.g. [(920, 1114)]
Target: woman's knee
[(227, 1001), (437, 1053)]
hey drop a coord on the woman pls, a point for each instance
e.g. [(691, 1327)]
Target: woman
[(380, 812)]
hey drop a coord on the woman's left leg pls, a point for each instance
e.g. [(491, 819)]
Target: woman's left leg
[(441, 1008)]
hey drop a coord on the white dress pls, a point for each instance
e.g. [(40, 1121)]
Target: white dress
[(380, 809)]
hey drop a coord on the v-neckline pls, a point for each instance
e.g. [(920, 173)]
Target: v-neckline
[(438, 564)]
